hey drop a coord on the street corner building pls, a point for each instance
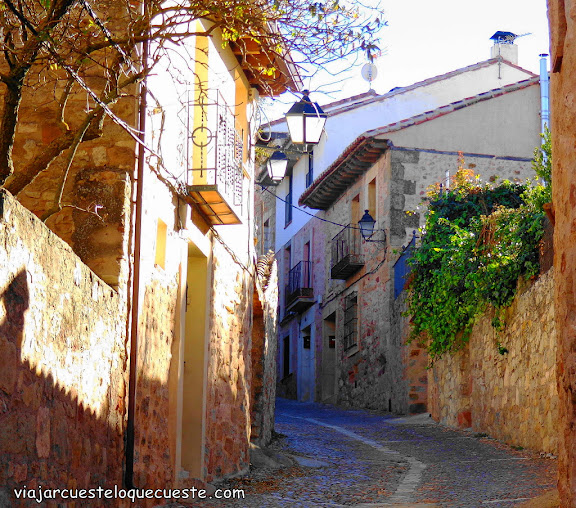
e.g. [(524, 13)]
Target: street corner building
[(138, 327), (342, 330)]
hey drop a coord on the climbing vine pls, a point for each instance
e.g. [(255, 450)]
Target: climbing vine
[(478, 240)]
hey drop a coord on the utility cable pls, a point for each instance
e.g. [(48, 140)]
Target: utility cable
[(264, 187)]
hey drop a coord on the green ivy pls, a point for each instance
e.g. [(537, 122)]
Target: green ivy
[(478, 240)]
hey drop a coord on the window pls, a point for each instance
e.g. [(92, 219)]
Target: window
[(306, 335), (355, 214), (350, 321), (372, 198), (286, 359), (287, 260), (310, 172), (288, 203), (161, 233)]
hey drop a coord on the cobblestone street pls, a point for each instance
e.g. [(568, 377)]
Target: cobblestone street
[(361, 458)]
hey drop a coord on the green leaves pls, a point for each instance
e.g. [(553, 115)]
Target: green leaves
[(479, 240)]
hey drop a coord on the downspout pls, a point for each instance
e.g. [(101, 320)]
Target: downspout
[(135, 311), (544, 93)]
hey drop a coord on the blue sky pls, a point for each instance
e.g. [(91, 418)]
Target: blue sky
[(425, 38)]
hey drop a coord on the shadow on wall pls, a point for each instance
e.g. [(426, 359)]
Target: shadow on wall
[(48, 438), (63, 379)]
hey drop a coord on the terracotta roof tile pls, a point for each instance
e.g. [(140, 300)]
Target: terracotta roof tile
[(347, 162)]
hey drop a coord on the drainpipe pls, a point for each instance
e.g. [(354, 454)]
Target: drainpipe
[(544, 94), (135, 311)]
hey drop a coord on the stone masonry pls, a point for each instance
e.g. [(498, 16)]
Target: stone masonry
[(512, 396), (561, 15), (64, 377), (264, 349)]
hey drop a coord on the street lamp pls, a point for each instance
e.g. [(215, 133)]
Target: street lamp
[(367, 224), (277, 165), (305, 121)]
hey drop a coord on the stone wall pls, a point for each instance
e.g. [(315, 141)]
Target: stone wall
[(513, 396), (265, 203), (563, 117), (229, 367), (411, 396), (63, 378), (154, 457), (264, 350), (413, 170), (93, 214)]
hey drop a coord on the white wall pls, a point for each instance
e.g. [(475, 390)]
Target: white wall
[(343, 127)]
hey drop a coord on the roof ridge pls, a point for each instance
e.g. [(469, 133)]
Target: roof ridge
[(452, 106), (370, 135), (372, 96), (434, 79)]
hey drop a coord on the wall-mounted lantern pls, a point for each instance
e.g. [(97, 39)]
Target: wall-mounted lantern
[(367, 224), (305, 121), (277, 165)]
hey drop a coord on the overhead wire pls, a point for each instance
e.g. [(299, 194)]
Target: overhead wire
[(264, 187)]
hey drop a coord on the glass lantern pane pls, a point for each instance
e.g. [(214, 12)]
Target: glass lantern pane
[(314, 127), (277, 169), (296, 128)]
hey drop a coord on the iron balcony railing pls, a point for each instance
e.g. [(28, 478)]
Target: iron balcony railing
[(346, 251), (299, 282), (215, 152)]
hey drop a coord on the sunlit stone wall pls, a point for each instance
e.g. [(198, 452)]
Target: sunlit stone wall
[(63, 363), (513, 396)]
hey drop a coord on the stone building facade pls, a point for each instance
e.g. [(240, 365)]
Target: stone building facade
[(166, 280), (348, 324), (475, 97)]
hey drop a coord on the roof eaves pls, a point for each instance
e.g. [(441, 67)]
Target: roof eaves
[(331, 183)]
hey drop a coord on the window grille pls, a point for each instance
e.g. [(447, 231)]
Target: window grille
[(350, 321)]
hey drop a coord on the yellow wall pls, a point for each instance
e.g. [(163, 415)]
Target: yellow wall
[(200, 120), (194, 365)]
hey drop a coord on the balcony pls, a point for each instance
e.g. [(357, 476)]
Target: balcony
[(347, 257), (299, 292), (215, 152)]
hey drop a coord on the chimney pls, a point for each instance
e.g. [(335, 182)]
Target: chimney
[(504, 47), (544, 92)]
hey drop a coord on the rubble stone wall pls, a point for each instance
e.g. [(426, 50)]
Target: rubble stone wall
[(228, 423), (512, 396), (63, 380), (411, 395), (264, 351)]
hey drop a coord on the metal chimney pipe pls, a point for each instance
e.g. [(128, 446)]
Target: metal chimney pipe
[(544, 91)]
